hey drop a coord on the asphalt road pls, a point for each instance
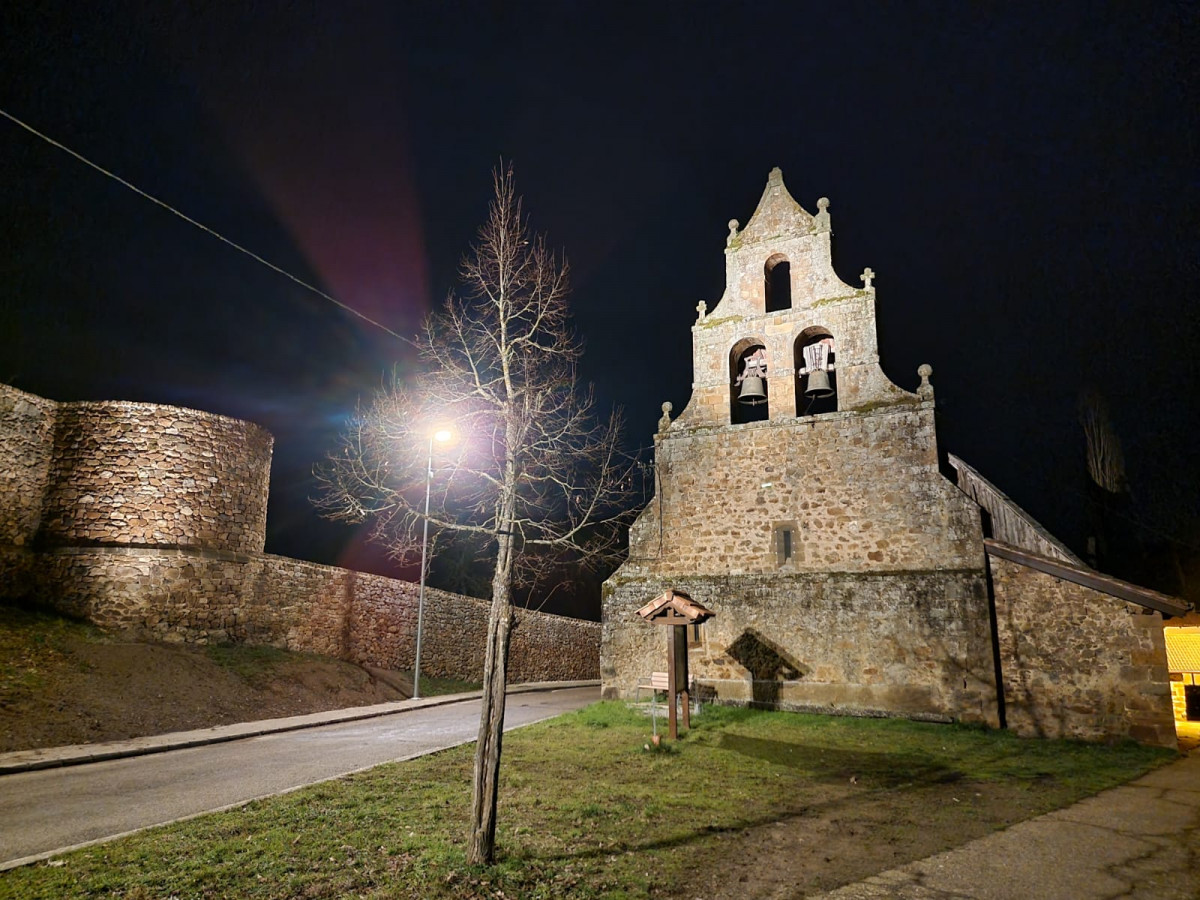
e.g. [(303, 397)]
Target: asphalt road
[(56, 809)]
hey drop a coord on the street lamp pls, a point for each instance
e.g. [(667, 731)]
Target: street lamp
[(442, 435)]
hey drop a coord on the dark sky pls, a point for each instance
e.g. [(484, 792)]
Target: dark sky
[(1022, 179)]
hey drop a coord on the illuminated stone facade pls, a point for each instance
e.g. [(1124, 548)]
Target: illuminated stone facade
[(845, 571)]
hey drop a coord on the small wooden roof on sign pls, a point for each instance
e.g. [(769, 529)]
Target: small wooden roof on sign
[(674, 608)]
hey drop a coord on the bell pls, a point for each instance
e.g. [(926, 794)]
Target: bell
[(752, 392), (818, 384)]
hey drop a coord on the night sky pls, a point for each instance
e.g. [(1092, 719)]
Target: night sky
[(1022, 179)]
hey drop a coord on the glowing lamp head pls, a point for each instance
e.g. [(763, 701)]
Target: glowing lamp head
[(442, 435)]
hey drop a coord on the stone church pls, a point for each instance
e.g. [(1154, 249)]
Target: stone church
[(801, 498)]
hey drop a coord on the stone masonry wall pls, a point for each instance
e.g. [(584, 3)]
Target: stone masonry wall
[(212, 596), (26, 433), (862, 492), (151, 519), (914, 644), (1079, 663), (149, 475)]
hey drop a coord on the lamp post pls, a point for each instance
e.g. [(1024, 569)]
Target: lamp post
[(442, 435)]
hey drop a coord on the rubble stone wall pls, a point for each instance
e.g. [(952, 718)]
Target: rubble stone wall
[(149, 475), (152, 520), (213, 596), (1079, 663), (860, 492), (26, 440), (914, 644)]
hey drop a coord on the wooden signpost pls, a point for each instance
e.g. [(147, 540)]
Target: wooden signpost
[(676, 610)]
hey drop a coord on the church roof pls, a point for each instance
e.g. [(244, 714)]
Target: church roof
[(1010, 524), (1090, 578)]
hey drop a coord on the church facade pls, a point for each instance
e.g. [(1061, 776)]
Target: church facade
[(800, 497)]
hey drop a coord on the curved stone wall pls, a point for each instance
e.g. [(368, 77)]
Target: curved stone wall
[(156, 476), (26, 426)]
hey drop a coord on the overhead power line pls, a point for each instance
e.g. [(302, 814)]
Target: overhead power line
[(236, 246)]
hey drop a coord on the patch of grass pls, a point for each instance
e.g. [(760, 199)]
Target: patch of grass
[(584, 811), (433, 686), (251, 663), (30, 640)]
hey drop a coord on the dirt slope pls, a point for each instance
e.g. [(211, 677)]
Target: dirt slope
[(62, 682)]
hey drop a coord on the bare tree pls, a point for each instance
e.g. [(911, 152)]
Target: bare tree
[(532, 473), (1105, 461)]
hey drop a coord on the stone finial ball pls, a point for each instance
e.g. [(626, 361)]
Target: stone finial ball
[(823, 203), (925, 370), (666, 408), (733, 225)]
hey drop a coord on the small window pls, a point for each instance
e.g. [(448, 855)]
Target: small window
[(786, 543), (695, 638)]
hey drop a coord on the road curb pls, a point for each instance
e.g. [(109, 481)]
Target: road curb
[(80, 754)]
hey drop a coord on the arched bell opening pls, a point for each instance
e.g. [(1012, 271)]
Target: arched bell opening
[(816, 377), (777, 283), (748, 401)]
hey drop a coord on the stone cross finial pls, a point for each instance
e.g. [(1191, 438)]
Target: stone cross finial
[(665, 422), (701, 311), (822, 217), (866, 276), (733, 227), (925, 389)]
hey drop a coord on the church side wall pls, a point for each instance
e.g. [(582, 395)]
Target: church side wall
[(213, 596), (913, 644), (1078, 663)]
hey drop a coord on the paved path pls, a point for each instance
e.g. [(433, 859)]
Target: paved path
[(46, 810), (1140, 841)]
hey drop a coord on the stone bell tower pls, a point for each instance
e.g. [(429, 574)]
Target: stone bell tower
[(781, 296), (798, 497)]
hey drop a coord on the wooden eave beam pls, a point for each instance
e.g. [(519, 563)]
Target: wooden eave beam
[(1105, 584)]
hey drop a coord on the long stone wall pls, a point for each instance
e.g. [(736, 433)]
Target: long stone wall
[(1077, 662), (151, 519), (202, 597)]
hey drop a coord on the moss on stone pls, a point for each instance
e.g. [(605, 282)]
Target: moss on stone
[(713, 323), (829, 301), (884, 404)]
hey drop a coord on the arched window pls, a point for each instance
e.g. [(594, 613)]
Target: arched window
[(748, 369), (816, 375), (777, 283)]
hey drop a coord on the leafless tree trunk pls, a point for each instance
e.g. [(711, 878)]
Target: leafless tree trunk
[(532, 471), (1105, 461)]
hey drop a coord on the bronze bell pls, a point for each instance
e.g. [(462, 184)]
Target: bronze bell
[(818, 384), (752, 392)]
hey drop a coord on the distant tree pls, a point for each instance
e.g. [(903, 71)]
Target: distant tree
[(532, 473), (1111, 544), (1105, 461)]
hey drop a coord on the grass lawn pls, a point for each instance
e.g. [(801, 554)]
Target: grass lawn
[(587, 811)]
